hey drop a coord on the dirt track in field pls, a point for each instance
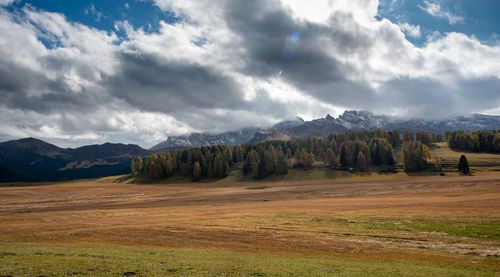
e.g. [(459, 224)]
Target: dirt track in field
[(310, 217)]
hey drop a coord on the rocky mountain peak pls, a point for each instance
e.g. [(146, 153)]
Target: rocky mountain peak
[(297, 121)]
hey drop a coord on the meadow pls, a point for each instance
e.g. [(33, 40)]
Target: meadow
[(317, 222)]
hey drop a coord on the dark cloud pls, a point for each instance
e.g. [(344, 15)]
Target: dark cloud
[(264, 30), (189, 92), (94, 85), (424, 97), (26, 89), (150, 82)]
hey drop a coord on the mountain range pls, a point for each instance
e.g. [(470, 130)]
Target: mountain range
[(32, 159), (349, 121)]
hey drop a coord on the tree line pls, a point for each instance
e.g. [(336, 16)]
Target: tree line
[(354, 150), (475, 141), (359, 150)]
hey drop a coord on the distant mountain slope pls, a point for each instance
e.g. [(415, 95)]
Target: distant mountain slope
[(231, 138), (363, 121), (205, 139), (349, 121), (314, 128), (35, 160)]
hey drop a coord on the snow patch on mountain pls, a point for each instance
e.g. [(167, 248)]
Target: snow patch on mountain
[(297, 121), (297, 128)]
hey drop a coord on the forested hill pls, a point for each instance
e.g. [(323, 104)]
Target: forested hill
[(33, 160)]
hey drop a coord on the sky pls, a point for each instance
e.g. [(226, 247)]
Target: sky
[(137, 71)]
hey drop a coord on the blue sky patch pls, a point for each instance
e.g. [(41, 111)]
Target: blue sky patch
[(103, 15), (473, 18)]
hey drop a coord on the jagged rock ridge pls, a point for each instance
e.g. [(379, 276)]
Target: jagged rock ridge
[(205, 139), (363, 121), (348, 121)]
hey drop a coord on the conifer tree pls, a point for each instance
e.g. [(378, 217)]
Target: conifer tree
[(132, 166), (196, 171), (361, 163), (333, 146), (423, 137), (346, 154), (495, 144), (408, 136), (211, 171), (139, 165), (331, 159), (168, 167), (463, 165), (394, 138), (281, 165), (219, 167), (414, 155), (251, 163), (238, 154), (306, 159)]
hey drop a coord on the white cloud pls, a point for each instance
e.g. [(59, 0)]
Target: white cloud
[(320, 11), (217, 70), (6, 2), (436, 10), (93, 11), (411, 30)]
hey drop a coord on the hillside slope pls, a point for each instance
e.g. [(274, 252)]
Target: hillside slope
[(33, 160)]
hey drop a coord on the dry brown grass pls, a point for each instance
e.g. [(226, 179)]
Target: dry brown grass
[(356, 217)]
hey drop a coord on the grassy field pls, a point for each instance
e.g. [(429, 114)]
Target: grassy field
[(307, 223), (64, 260), (477, 161)]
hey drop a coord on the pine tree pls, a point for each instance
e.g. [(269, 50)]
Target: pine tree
[(238, 154), (251, 163), (331, 159), (132, 166), (168, 167), (361, 163), (333, 145), (394, 138), (495, 144), (463, 165), (281, 165), (196, 171), (346, 154), (408, 136), (414, 155), (211, 171), (306, 159), (219, 167), (139, 165), (272, 160), (424, 138)]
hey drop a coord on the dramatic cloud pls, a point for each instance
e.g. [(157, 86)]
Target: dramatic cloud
[(228, 65)]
